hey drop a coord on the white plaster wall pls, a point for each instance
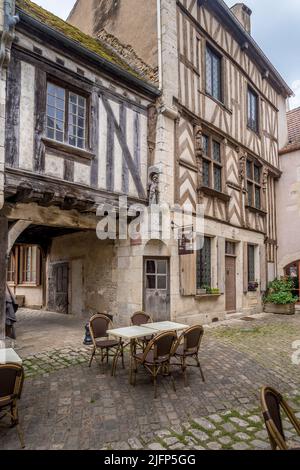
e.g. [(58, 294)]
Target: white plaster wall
[(282, 122), (33, 296), (288, 210), (82, 173), (54, 166), (27, 116)]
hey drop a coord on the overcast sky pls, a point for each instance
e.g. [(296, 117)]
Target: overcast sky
[(275, 26)]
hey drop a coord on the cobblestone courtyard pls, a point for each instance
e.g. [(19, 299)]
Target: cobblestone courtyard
[(66, 405)]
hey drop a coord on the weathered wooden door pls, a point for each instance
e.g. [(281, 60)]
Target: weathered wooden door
[(230, 277), (59, 288), (157, 288)]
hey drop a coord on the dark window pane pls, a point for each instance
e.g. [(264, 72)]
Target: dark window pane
[(59, 136), (250, 194), (50, 133), (162, 267), (230, 248), (205, 145), (72, 141), (213, 74), (217, 151), (249, 169), (208, 72), (204, 265), (80, 143), (257, 174), (162, 282), (206, 167), (251, 263), (151, 282), (257, 198), (151, 267), (252, 110), (217, 178)]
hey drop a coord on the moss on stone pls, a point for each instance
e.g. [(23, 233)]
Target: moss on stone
[(73, 33)]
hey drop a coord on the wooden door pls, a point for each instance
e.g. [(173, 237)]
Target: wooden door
[(230, 280), (59, 288), (157, 288)]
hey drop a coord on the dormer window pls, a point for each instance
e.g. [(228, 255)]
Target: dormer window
[(66, 116)]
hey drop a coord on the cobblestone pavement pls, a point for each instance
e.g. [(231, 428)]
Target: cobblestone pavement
[(66, 405)]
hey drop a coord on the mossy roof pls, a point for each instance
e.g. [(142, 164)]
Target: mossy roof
[(75, 34)]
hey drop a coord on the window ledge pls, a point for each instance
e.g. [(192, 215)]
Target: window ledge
[(212, 192), (68, 149), (256, 211), (207, 296)]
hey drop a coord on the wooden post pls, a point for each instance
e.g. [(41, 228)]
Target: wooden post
[(3, 266)]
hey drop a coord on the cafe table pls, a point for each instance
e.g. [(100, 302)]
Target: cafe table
[(9, 356), (163, 326), (130, 334)]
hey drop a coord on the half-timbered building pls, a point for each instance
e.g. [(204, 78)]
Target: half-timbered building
[(79, 132), (219, 133)]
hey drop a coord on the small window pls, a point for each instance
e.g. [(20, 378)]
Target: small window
[(204, 265), (254, 187), (66, 116), (11, 269), (230, 248), (251, 263), (25, 265), (213, 74), (212, 167), (252, 110), (157, 274)]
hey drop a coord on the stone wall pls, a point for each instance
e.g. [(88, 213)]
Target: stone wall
[(93, 272), (288, 210), (134, 22)]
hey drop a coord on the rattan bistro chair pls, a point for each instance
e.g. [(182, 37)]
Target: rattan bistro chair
[(272, 403), (99, 325), (156, 358), (138, 319), (187, 347), (11, 385)]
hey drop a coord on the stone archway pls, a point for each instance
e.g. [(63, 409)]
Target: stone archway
[(14, 232)]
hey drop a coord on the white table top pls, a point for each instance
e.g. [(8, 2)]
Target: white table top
[(9, 356), (132, 332), (166, 326)]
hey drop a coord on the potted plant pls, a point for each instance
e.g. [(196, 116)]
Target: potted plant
[(279, 298), (253, 286)]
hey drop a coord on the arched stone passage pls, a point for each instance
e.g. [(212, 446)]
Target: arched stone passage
[(15, 231)]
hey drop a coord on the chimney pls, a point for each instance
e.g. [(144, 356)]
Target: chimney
[(243, 14)]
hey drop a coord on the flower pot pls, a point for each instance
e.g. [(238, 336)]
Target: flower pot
[(288, 309)]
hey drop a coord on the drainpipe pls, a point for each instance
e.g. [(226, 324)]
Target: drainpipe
[(159, 39), (6, 38)]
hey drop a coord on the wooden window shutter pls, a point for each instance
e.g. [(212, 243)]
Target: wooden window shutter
[(187, 266), (245, 267), (221, 264), (263, 268)]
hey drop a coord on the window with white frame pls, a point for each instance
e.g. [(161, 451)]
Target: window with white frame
[(66, 116)]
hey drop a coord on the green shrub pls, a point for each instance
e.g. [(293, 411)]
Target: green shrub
[(280, 292)]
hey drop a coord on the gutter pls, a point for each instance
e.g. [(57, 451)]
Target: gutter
[(35, 26), (269, 66)]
